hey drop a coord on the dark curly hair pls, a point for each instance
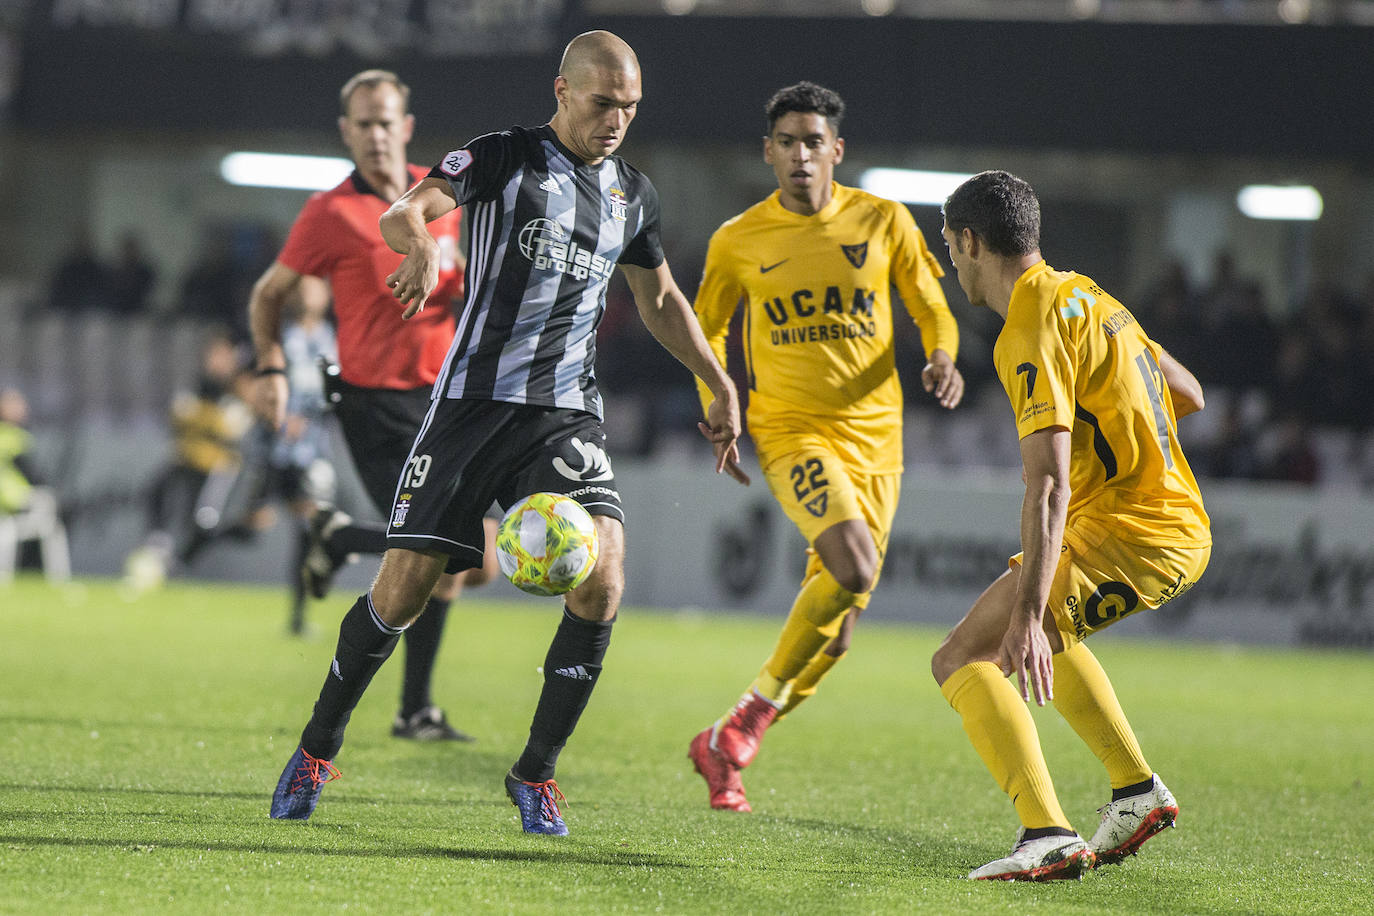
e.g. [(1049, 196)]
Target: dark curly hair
[(1000, 208), (806, 98)]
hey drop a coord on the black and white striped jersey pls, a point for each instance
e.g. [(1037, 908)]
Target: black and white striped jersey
[(546, 231)]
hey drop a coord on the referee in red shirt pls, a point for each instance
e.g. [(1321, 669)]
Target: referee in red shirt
[(387, 366)]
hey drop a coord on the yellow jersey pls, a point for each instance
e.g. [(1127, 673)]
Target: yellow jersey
[(1070, 355), (817, 330)]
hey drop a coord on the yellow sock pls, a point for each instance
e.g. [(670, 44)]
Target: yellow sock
[(1085, 698), (1003, 732), (814, 620), (806, 683), (771, 689)]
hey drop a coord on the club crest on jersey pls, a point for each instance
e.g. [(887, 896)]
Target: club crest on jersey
[(857, 254), (455, 162), (398, 518), (618, 204)]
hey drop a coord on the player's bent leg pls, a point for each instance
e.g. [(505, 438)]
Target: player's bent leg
[(805, 685), (571, 669), (404, 583), (599, 597), (994, 716), (847, 550), (1084, 696)]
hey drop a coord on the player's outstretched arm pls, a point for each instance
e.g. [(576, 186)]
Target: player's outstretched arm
[(403, 228), (667, 314), (265, 307), (1184, 388)]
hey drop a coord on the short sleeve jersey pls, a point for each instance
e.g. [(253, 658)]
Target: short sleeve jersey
[(336, 237), (817, 329), (1072, 356), (546, 231)]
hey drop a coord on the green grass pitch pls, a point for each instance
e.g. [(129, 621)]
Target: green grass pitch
[(140, 741)]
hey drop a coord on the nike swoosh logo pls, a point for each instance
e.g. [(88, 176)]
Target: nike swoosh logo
[(764, 269)]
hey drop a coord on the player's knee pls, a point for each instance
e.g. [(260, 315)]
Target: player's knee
[(599, 597), (857, 577), (404, 583), (945, 662)]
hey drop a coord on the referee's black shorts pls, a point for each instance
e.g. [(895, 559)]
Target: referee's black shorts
[(470, 454), (379, 426)]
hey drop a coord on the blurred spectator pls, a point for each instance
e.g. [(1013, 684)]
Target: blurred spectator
[(1232, 453), (290, 465), (1170, 309), (131, 278), (17, 476), (1249, 340), (81, 281), (28, 510), (1291, 457), (217, 285), (189, 492)]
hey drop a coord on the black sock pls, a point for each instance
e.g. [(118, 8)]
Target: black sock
[(1139, 788), (422, 648), (364, 643), (356, 539), (1040, 832), (570, 672)]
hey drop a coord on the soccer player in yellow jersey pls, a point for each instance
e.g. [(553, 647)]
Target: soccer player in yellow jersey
[(1112, 523), (813, 264)]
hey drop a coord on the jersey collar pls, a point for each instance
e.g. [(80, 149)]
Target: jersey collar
[(361, 186)]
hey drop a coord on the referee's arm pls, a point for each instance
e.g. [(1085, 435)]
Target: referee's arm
[(265, 308)]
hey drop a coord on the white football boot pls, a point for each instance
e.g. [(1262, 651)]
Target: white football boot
[(1046, 859), (1128, 823)]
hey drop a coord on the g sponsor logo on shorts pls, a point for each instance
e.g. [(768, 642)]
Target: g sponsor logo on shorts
[(1108, 603)]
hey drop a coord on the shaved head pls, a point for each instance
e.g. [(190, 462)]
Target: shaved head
[(598, 50), (597, 89)]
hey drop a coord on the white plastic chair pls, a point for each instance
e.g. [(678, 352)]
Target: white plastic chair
[(38, 521)]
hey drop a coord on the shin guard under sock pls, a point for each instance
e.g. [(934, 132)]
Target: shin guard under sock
[(365, 642), (571, 669), (1085, 698), (815, 619), (1002, 731)]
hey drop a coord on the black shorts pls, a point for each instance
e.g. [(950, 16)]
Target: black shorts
[(379, 426), (470, 454)]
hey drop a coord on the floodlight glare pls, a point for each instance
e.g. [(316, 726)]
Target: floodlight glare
[(912, 186), (1265, 201), (279, 170)]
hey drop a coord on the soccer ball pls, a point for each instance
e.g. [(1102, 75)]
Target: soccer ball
[(546, 544)]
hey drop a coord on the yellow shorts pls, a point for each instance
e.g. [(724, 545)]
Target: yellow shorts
[(817, 489), (1095, 586)]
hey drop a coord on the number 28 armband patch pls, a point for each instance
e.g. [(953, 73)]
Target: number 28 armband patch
[(455, 162)]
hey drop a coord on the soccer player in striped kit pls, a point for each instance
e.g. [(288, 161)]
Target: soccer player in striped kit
[(387, 366), (516, 409)]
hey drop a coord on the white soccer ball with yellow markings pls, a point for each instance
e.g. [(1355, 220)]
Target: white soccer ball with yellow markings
[(546, 544)]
